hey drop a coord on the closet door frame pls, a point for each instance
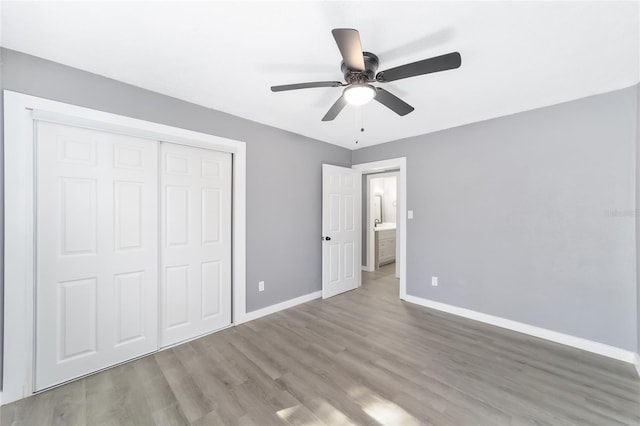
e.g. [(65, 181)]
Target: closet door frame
[(20, 114)]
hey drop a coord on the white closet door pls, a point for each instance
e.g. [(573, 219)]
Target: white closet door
[(96, 302), (196, 242)]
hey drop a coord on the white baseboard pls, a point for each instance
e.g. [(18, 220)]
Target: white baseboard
[(543, 333), (250, 316), (366, 268), (637, 363)]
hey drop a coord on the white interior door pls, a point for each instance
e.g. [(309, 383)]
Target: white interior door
[(96, 291), (196, 242), (341, 229)]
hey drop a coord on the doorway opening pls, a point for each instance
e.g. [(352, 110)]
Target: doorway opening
[(379, 229), (379, 225), (383, 222)]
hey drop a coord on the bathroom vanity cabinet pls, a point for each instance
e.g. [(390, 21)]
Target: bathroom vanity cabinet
[(385, 246)]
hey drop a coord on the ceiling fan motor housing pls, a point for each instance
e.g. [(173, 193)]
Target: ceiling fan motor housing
[(356, 76)]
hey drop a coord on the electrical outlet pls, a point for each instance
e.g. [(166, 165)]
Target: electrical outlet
[(261, 286), (409, 214), (434, 281)]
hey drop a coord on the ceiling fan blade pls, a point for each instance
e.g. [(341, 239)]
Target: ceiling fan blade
[(439, 63), (348, 41), (392, 102), (305, 85), (335, 109)]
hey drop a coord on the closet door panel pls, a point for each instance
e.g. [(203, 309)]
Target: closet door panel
[(96, 238), (196, 244)]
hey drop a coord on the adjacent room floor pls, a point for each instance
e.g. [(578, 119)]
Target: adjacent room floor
[(362, 357)]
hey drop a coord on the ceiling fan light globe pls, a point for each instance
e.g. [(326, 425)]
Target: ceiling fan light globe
[(359, 94)]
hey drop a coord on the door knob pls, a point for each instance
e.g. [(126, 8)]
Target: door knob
[(326, 238)]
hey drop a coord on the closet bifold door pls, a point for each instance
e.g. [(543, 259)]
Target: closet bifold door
[(97, 251), (195, 270)]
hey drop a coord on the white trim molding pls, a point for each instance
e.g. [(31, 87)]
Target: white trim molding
[(250, 316), (637, 363), (20, 113), (401, 221), (543, 333)]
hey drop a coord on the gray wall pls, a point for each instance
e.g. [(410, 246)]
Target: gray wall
[(529, 217), (637, 212), (524, 217), (1, 232), (365, 197), (283, 169)]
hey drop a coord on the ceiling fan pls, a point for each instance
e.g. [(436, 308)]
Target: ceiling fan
[(359, 69)]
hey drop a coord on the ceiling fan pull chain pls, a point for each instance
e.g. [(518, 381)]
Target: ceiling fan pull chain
[(357, 120), (358, 117)]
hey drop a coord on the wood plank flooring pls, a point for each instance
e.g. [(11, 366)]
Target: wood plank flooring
[(361, 358)]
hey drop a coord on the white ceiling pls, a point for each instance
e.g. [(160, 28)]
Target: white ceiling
[(516, 56)]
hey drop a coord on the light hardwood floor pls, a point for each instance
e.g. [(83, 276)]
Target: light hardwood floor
[(362, 357)]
